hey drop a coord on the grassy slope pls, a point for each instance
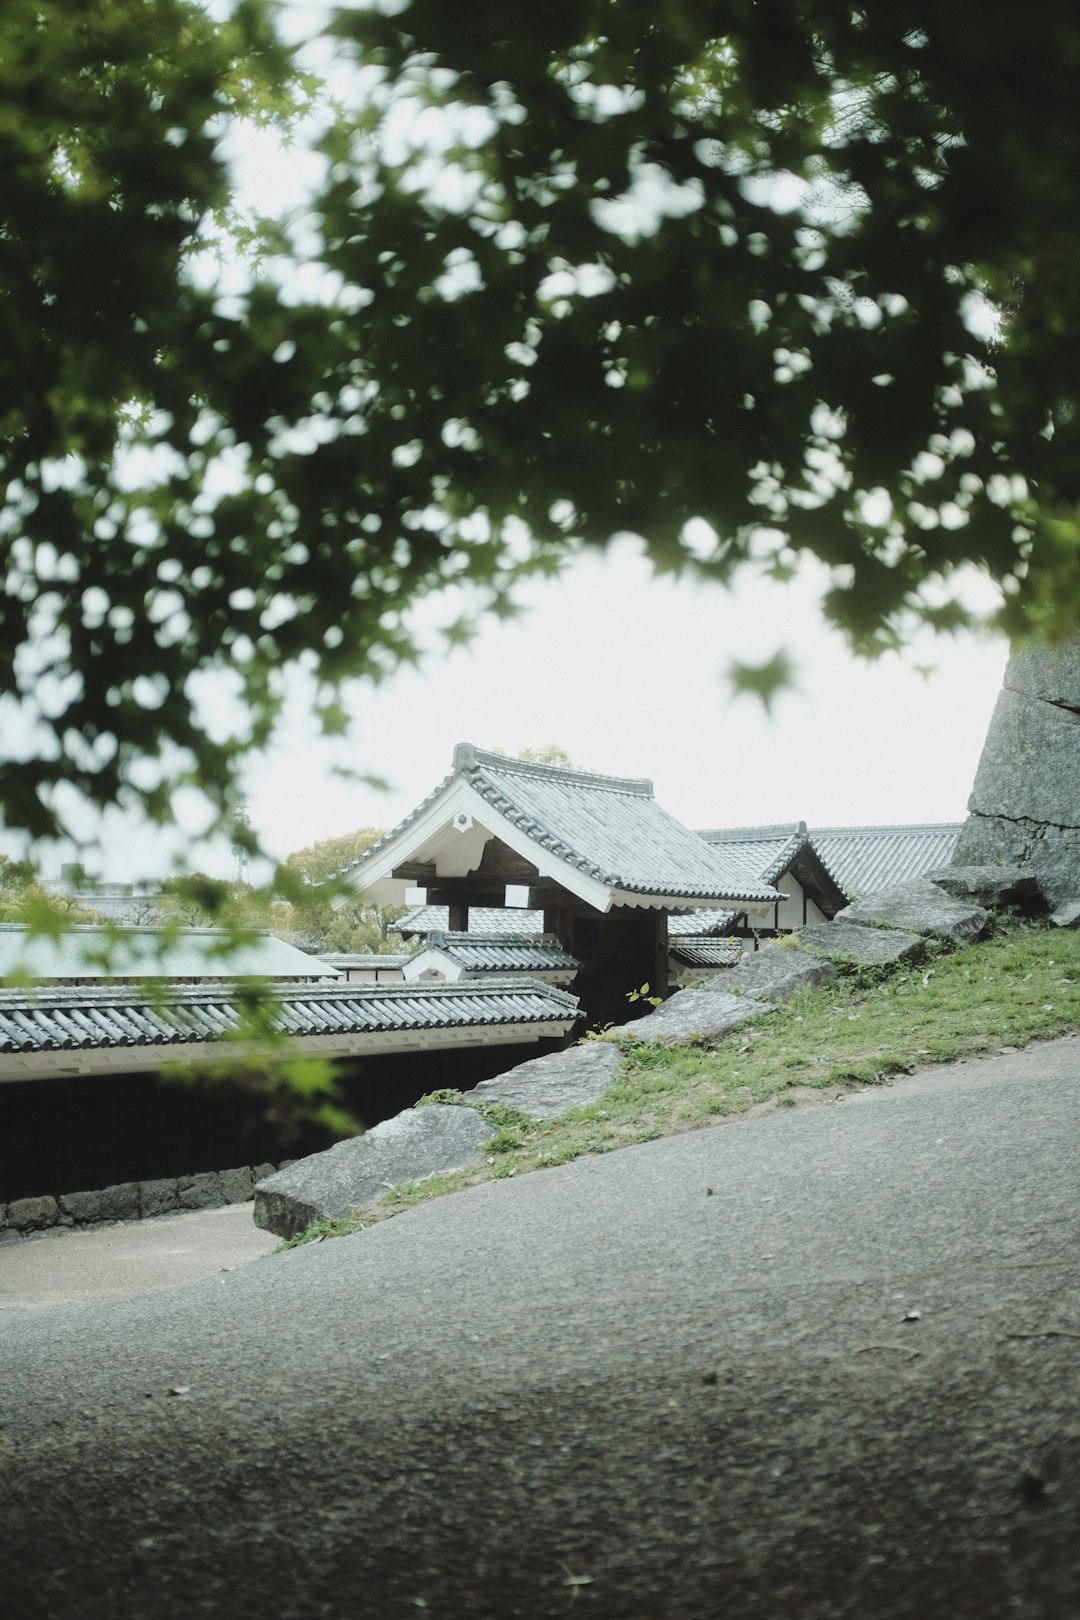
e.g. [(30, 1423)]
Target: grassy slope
[(1021, 985)]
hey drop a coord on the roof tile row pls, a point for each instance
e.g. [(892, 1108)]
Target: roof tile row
[(50, 1020)]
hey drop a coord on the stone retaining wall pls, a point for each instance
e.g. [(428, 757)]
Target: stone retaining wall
[(131, 1201)]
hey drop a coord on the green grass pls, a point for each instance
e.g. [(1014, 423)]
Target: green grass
[(1021, 985)]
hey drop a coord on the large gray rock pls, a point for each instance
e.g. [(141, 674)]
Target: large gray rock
[(419, 1143), (1067, 915), (866, 947), (777, 972), (991, 886), (547, 1086), (695, 1012), (919, 907), (1024, 806)]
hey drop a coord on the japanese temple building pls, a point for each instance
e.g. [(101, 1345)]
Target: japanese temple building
[(596, 855)]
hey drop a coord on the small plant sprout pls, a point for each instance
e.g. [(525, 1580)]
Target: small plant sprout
[(642, 994)]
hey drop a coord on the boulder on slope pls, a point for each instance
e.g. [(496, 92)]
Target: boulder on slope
[(919, 907), (695, 1012), (418, 1143), (867, 947), (990, 886), (776, 971), (547, 1086)]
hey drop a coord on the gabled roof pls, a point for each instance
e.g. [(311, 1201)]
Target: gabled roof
[(603, 838), (866, 859), (785, 847), (483, 920), (88, 951), (768, 851)]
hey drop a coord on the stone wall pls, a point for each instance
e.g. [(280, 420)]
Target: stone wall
[(130, 1201), (1025, 805)]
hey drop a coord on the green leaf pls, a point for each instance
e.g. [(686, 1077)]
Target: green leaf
[(763, 681)]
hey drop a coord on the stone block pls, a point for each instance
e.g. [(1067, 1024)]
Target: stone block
[(120, 1202), (1049, 673), (158, 1197), (777, 972), (419, 1143), (33, 1214), (1052, 852), (8, 1236), (993, 887), (695, 1012), (83, 1207), (259, 1172), (1067, 915), (200, 1192), (1030, 763), (547, 1086), (992, 841), (866, 947), (237, 1185), (918, 907)]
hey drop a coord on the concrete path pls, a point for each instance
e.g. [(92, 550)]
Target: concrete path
[(130, 1258), (820, 1365)]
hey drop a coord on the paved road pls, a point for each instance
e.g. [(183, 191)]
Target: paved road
[(129, 1258), (815, 1365)]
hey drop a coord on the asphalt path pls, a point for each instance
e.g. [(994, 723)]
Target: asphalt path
[(817, 1364), (128, 1258)]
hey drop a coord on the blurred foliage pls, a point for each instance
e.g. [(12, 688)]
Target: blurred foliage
[(24, 901), (195, 900), (755, 281)]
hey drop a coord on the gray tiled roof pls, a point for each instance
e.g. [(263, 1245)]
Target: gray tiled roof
[(609, 828), (342, 960), (482, 920), (767, 851), (46, 1020), (866, 859), (504, 953), (861, 859), (712, 923), (699, 951), (87, 951)]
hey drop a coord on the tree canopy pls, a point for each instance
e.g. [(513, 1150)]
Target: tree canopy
[(328, 856), (753, 280), (327, 915)]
